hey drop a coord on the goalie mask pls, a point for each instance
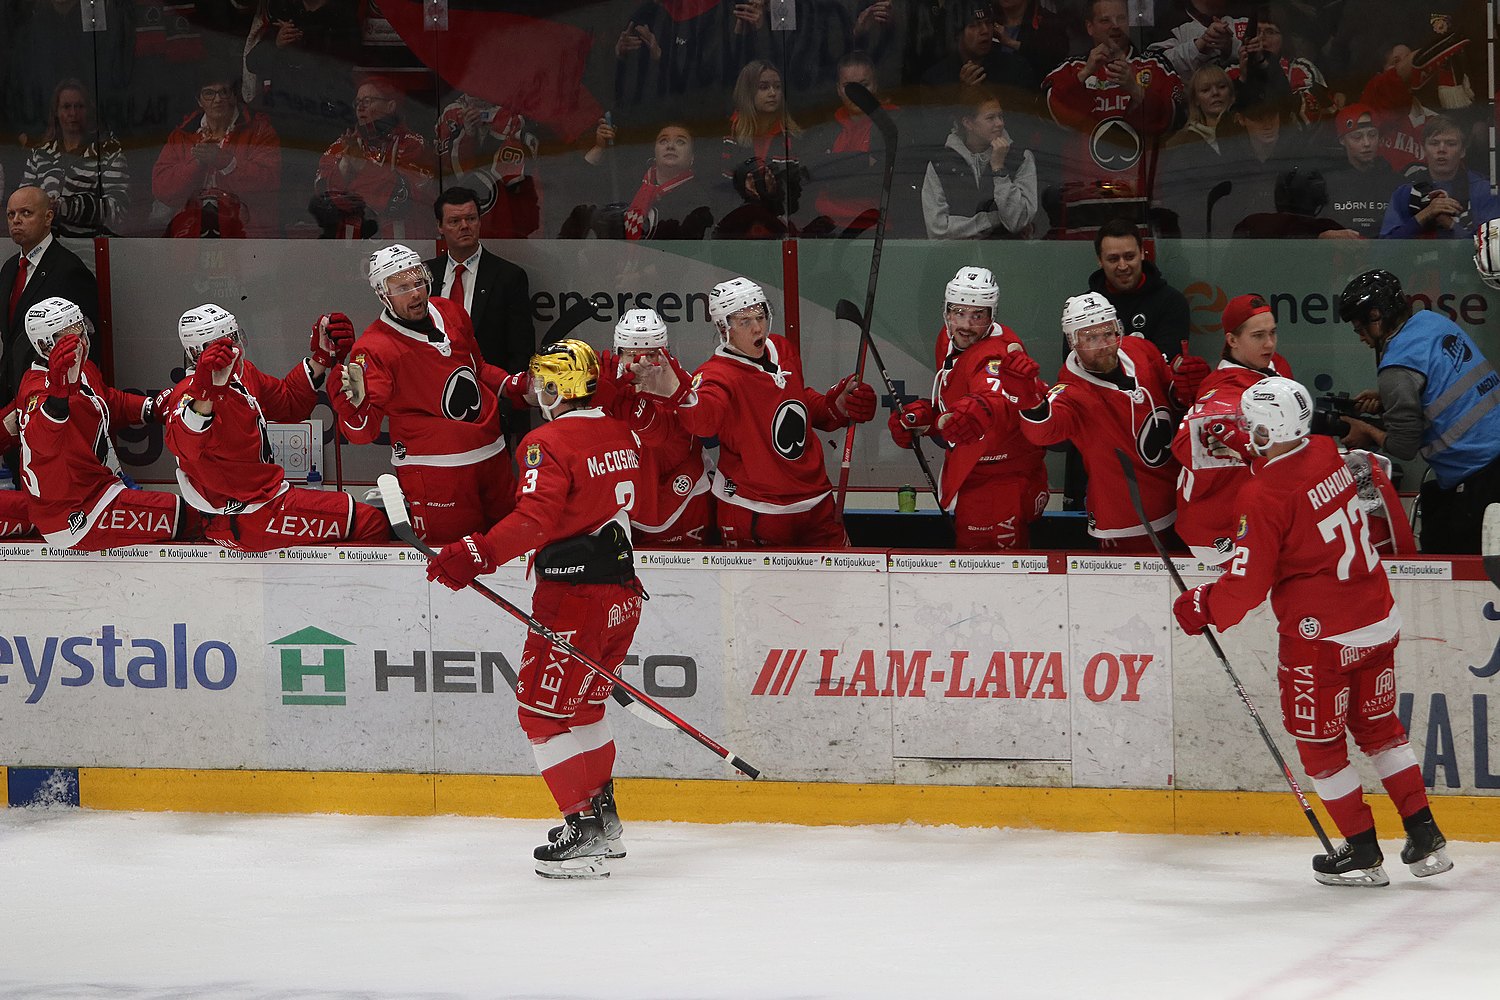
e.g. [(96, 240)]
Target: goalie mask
[(640, 330), (972, 286), (1093, 313), (732, 296), (1275, 410), (1487, 253), (50, 320), (202, 326), (566, 370), (397, 262)]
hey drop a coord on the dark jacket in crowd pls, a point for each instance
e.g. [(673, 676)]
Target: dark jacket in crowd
[(1154, 309)]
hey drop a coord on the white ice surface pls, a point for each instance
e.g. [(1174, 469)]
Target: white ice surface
[(150, 905)]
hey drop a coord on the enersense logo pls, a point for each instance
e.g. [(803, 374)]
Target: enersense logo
[(296, 649), (139, 661)]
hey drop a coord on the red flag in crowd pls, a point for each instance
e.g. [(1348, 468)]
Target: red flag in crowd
[(525, 64)]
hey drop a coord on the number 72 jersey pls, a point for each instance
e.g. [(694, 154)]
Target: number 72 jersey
[(1304, 535)]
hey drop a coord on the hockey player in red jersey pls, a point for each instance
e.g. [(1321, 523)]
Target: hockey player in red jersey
[(771, 485), (69, 468), (419, 368), (579, 477), (216, 426), (993, 481), (1113, 393), (673, 507), (1303, 536), (15, 510)]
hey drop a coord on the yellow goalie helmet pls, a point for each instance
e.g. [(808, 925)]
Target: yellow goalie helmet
[(568, 369)]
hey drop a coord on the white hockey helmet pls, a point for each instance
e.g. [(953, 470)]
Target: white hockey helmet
[(729, 297), (640, 330), (202, 326), (1487, 253), (49, 320), (1081, 312), (387, 262), (1276, 410), (972, 286)]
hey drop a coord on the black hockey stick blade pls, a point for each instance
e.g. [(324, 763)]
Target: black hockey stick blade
[(848, 312), (571, 319), (1490, 543)]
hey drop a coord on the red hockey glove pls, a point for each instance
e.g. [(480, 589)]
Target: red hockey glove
[(1188, 373), (1231, 433), (1191, 609), (155, 410), (460, 563), (854, 401), (215, 358), (1020, 381), (63, 369), (910, 422), (669, 383), (966, 421), (332, 337)]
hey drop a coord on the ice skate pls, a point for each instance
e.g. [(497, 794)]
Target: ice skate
[(1357, 862), (579, 851), (1425, 852), (604, 808)]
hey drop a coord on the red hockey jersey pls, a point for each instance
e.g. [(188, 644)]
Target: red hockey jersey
[(578, 473), (769, 459), (224, 461), (1304, 536), (438, 395), (976, 372), (69, 468), (1100, 417)]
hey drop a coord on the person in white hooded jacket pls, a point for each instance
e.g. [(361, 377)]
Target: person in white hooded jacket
[(981, 186)]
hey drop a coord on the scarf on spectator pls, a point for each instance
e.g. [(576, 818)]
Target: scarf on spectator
[(639, 212), (1423, 187), (686, 10)]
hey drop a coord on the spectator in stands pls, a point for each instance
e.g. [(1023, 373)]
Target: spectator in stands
[(1392, 95), (1029, 35), (1446, 200), (1263, 143), (492, 151), (671, 201), (759, 158), (1361, 186), (80, 166), (977, 59), (1190, 161), (981, 185), (1300, 197), (1117, 104), (50, 40), (220, 170), (378, 176), (298, 58), (849, 159), (1199, 32), (1146, 305), (1305, 80)]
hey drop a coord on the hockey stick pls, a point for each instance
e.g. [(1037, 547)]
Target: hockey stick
[(395, 509), (569, 320), (881, 119), (1490, 543), (849, 312), (1161, 550)]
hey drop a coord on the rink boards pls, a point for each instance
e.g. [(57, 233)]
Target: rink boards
[(1045, 689)]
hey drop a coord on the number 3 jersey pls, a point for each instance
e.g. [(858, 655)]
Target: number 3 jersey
[(1303, 535)]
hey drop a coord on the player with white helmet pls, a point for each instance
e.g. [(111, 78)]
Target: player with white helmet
[(580, 472), (419, 370), (1303, 536), (1114, 393), (771, 484), (216, 427), (77, 494), (993, 479), (673, 507)]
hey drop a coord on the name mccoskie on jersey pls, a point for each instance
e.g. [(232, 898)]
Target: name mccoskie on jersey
[(613, 461)]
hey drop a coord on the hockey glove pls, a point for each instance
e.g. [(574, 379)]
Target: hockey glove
[(332, 337), (1191, 609), (348, 382), (910, 422), (1428, 61), (966, 421), (1020, 381), (460, 563), (669, 382), (1188, 373), (852, 401), (63, 366), (211, 375), (1229, 432)]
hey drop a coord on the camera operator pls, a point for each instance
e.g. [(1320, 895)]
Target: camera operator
[(1440, 400)]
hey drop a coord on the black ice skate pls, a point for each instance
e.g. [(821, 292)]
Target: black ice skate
[(580, 850), (1357, 861), (604, 808), (1425, 852)]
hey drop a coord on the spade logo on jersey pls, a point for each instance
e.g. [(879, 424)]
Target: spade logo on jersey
[(461, 396), (789, 430), (1154, 441)]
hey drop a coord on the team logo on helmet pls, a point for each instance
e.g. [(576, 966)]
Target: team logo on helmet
[(1310, 627), (533, 455), (789, 430), (461, 396), (681, 485), (1154, 442), (993, 367)]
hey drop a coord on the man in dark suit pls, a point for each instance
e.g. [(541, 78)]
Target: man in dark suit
[(42, 269), (495, 293)]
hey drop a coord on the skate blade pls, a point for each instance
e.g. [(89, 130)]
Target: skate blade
[(616, 849), (1362, 878), (1434, 864), (595, 866)]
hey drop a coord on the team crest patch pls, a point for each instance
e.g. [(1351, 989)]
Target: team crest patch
[(533, 455), (76, 521), (1143, 77), (681, 485), (993, 367), (31, 404), (1441, 23), (359, 358), (1056, 390), (1244, 526), (1310, 628), (1207, 395), (697, 381)]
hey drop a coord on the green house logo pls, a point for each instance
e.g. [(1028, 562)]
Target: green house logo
[(296, 650)]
